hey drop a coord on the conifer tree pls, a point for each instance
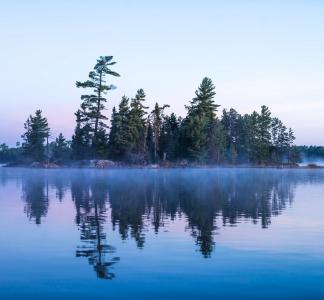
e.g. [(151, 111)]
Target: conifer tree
[(137, 125), (37, 132), (232, 123), (94, 104), (250, 129), (157, 115), (150, 144), (114, 127), (61, 150), (120, 139), (293, 154), (201, 129), (169, 140), (81, 140), (264, 134)]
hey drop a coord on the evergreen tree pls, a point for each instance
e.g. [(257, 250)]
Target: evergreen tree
[(94, 104), (61, 149), (137, 126), (120, 139), (264, 134), (233, 126), (169, 140), (250, 129), (81, 140), (278, 139), (102, 144), (37, 132), (293, 154), (201, 131), (150, 144), (157, 118), (114, 127)]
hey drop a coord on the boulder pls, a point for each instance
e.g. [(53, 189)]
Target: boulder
[(103, 164)]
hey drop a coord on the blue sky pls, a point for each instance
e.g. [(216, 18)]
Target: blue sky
[(256, 52)]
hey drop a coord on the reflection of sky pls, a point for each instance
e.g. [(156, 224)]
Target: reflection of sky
[(258, 52)]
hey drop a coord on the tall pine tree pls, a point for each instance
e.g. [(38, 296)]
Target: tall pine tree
[(201, 131), (137, 126), (94, 104)]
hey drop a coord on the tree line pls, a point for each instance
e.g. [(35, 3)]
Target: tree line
[(138, 135)]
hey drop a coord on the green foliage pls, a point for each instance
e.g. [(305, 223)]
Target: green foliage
[(156, 117), (150, 145), (120, 139), (81, 140), (169, 138), (93, 104), (137, 126), (263, 137), (257, 138), (9, 154), (61, 151), (137, 136), (201, 135), (233, 125), (37, 131)]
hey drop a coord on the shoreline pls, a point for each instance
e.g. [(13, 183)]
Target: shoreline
[(114, 165)]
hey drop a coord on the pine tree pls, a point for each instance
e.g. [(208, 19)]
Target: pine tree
[(137, 126), (157, 115), (61, 150), (264, 134), (201, 131), (150, 144), (102, 144), (114, 127), (169, 140), (233, 129), (81, 140), (250, 129), (94, 104), (37, 131), (293, 153)]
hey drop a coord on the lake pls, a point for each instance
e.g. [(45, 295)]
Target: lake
[(162, 234)]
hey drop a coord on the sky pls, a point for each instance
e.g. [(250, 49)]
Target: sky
[(256, 52)]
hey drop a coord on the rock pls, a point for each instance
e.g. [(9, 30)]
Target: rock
[(154, 166), (51, 166), (103, 164), (35, 164)]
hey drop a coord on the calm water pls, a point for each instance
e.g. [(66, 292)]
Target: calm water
[(161, 234)]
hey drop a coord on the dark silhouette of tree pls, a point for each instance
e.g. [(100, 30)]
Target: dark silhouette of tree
[(93, 104), (60, 150), (37, 131), (120, 138), (202, 138)]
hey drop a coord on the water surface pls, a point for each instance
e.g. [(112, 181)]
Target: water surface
[(162, 234)]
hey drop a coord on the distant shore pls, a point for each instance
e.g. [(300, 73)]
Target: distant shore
[(107, 164)]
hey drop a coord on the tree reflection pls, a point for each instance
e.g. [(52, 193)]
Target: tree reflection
[(90, 199), (204, 197), (143, 200), (35, 194)]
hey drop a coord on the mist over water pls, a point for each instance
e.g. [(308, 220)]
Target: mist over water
[(312, 161), (231, 233)]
